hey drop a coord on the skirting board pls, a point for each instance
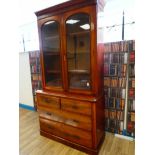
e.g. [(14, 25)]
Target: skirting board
[(24, 106), (124, 137)]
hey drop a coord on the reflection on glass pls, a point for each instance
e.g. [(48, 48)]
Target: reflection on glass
[(78, 51), (51, 53)]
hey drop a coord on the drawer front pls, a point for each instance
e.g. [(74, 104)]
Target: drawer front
[(66, 132), (68, 118), (80, 107), (48, 101)]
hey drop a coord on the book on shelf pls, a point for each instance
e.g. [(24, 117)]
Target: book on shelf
[(112, 102), (131, 45), (107, 92), (39, 77), (38, 69), (106, 112), (107, 47), (120, 115), (120, 103), (115, 47), (114, 57), (131, 93), (120, 126), (35, 77), (33, 61), (35, 99), (112, 114), (106, 69), (131, 105), (121, 93), (113, 69), (121, 46), (132, 70), (131, 116), (33, 68), (130, 127), (124, 46), (114, 82), (34, 54), (36, 85), (132, 83), (106, 101), (107, 123), (122, 68), (107, 81), (122, 82), (132, 56), (112, 125), (123, 58), (106, 58), (113, 92), (34, 91)]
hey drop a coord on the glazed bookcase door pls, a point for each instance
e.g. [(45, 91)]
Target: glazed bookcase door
[(51, 54), (78, 51)]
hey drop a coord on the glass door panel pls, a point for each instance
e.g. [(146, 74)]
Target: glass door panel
[(78, 51), (51, 53)]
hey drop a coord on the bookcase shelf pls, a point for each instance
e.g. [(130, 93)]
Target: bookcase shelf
[(119, 72), (34, 59)]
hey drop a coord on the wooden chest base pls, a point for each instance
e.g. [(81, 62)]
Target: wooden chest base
[(73, 145), (73, 120)]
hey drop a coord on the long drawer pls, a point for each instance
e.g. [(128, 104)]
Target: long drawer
[(66, 132), (81, 107), (48, 101), (72, 119)]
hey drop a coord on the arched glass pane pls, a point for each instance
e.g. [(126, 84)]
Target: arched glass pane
[(51, 53), (78, 51)]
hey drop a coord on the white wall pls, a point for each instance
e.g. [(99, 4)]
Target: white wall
[(25, 87), (28, 7)]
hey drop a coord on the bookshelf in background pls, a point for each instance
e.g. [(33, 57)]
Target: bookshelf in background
[(131, 90), (115, 74), (119, 87), (34, 57)]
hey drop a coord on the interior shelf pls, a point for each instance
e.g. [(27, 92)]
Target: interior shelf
[(51, 37), (51, 53), (79, 71), (79, 33)]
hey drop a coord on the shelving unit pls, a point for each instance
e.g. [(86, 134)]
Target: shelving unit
[(34, 57), (131, 91), (118, 73)]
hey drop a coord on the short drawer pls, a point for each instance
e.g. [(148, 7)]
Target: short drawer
[(80, 107), (68, 118), (48, 101), (66, 132)]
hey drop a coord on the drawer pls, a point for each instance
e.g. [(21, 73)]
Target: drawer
[(80, 107), (68, 118), (48, 101), (66, 132)]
